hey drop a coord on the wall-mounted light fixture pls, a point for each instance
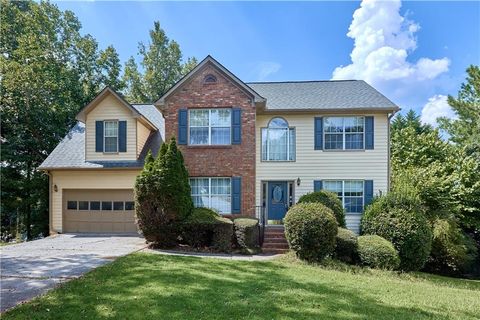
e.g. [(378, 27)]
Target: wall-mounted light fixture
[(298, 181), (55, 188)]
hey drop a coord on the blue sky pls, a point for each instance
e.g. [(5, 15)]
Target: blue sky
[(413, 52)]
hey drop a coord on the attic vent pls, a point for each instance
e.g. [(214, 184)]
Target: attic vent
[(210, 78)]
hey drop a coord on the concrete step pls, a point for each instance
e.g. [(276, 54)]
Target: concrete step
[(275, 240), (274, 236), (275, 246)]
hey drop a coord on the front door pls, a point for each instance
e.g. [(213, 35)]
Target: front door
[(277, 200)]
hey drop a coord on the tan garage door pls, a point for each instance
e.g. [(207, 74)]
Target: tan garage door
[(101, 211)]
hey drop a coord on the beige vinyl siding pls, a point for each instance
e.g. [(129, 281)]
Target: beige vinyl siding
[(142, 135), (110, 109), (313, 164), (85, 179)]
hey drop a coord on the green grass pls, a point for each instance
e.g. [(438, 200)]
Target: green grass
[(150, 286)]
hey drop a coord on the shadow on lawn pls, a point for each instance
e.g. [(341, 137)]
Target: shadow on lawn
[(152, 287)]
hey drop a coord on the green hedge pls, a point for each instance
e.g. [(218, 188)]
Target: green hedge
[(328, 199), (310, 229), (377, 252), (206, 228), (246, 231), (400, 221), (346, 247)]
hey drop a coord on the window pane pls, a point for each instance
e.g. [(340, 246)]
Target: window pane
[(353, 124), (354, 204), (292, 144), (199, 135), (220, 186), (278, 123), (129, 205), (82, 205), (277, 144), (106, 205), (354, 141), (94, 205), (72, 205), (199, 186), (220, 118), (199, 201), (264, 143), (199, 118), (118, 205), (110, 144), (221, 204), (111, 128), (353, 189), (333, 186), (333, 124), (333, 141), (221, 135)]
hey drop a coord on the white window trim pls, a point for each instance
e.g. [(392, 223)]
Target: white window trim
[(343, 192), (268, 144), (210, 191), (105, 136), (210, 128), (343, 133)]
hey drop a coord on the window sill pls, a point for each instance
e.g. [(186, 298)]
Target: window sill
[(226, 146), (339, 150), (110, 153), (277, 161)]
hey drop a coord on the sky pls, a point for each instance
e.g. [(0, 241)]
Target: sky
[(413, 52)]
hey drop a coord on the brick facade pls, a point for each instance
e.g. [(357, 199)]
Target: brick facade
[(217, 161)]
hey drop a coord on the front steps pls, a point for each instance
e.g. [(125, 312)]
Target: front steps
[(275, 241)]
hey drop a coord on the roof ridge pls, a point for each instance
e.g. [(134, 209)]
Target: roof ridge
[(301, 81)]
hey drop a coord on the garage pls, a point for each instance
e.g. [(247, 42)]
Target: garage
[(98, 211)]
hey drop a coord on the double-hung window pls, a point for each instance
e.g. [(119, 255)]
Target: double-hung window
[(213, 193), (110, 135), (210, 126), (350, 192), (344, 133), (278, 141)]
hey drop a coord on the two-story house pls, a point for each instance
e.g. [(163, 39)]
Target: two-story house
[(248, 147)]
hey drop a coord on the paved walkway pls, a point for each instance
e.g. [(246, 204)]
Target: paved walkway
[(29, 269)]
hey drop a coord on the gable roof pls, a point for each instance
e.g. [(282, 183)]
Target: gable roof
[(210, 60), (70, 152), (322, 95), (81, 116)]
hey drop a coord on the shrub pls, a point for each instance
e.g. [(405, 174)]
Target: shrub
[(246, 232), (310, 229), (206, 228), (377, 252), (401, 221), (346, 246), (453, 252), (328, 199)]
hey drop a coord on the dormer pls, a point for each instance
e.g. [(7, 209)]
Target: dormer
[(114, 129)]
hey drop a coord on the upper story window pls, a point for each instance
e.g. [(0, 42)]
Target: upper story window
[(278, 141), (210, 126), (344, 133), (350, 193), (209, 79), (110, 136)]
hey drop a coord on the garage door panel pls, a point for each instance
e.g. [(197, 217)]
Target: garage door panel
[(95, 219)]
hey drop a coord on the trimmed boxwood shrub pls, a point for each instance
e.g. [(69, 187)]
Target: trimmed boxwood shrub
[(206, 228), (377, 252), (346, 246), (453, 252), (310, 229), (406, 228), (328, 199), (246, 231)]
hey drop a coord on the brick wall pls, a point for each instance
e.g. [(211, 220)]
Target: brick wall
[(217, 161)]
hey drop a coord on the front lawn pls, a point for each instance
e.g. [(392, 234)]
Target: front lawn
[(151, 286)]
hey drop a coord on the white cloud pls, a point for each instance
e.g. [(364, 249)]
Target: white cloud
[(435, 108), (266, 68), (383, 40)]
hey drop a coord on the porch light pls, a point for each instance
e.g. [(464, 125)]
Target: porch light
[(55, 188), (298, 181)]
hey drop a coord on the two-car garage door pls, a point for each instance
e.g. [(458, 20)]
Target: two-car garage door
[(98, 211)]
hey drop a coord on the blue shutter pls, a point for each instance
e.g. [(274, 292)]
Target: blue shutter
[(236, 194), (98, 136), (367, 192), (317, 185), (318, 133), (122, 136), (236, 126), (369, 133), (182, 126)]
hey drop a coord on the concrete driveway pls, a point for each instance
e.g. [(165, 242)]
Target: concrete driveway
[(31, 268)]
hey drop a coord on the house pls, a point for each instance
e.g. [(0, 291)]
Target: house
[(250, 148)]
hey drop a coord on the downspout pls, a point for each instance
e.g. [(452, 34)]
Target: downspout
[(389, 117), (50, 178)]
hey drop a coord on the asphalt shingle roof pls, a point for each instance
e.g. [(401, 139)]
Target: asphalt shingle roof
[(70, 152), (321, 95)]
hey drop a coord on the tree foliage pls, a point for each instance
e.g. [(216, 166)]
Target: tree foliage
[(161, 67)]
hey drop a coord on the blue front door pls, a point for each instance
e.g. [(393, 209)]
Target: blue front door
[(277, 200)]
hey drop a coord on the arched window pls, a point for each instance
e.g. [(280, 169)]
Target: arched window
[(278, 141), (209, 79)]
